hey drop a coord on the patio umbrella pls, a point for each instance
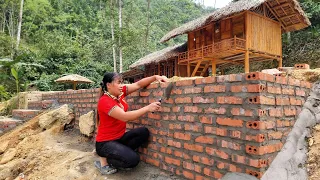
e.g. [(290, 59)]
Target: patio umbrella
[(74, 79)]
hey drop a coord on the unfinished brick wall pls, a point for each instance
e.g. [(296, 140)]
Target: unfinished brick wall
[(212, 125)]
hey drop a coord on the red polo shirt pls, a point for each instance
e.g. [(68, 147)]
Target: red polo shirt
[(110, 128)]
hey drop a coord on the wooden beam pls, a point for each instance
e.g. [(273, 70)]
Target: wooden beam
[(280, 5), (246, 62), (205, 69), (214, 67), (196, 69), (280, 63), (275, 15), (188, 70), (219, 61), (288, 16)]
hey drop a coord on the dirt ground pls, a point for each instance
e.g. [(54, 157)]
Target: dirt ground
[(65, 155), (313, 165)]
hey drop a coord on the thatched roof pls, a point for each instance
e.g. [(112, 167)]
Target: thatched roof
[(161, 55), (74, 78), (237, 7)]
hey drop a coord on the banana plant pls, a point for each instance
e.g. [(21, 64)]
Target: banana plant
[(15, 74)]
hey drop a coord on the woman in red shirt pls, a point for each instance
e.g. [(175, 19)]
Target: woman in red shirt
[(116, 147)]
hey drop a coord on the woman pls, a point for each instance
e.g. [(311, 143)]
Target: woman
[(116, 147)]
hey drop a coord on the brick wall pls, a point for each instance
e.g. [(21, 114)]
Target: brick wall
[(212, 125)]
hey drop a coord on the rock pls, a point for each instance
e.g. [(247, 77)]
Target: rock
[(61, 116), (86, 124), (8, 155), (3, 146), (12, 168)]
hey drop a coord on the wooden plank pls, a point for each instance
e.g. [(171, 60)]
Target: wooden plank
[(176, 67), (195, 69), (275, 15), (205, 69), (288, 16), (214, 67), (246, 62)]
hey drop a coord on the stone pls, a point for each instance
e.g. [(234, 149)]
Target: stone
[(60, 116), (3, 146), (87, 123), (12, 168), (8, 155)]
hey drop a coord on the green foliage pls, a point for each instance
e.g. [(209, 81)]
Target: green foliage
[(4, 95)]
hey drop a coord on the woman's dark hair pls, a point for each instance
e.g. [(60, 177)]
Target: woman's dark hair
[(108, 78)]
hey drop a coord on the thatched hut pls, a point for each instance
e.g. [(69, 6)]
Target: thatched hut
[(163, 62), (242, 32)]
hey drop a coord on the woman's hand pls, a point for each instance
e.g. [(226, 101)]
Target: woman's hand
[(162, 79), (154, 106)]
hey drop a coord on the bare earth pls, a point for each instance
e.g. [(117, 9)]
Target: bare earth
[(63, 155), (313, 165)]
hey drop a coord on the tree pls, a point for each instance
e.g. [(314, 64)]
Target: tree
[(120, 28), (19, 25), (112, 36)]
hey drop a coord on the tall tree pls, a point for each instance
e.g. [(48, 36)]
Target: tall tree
[(147, 26), (120, 28), (19, 24), (112, 36)]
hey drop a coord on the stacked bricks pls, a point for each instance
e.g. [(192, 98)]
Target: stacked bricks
[(214, 125), (83, 100), (302, 66), (24, 114)]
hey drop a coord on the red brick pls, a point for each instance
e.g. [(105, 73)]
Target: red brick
[(153, 162), (258, 163), (212, 173), (152, 86), (229, 145), (259, 76), (176, 91), (217, 153), (261, 112), (200, 99), (183, 100), (157, 93), (293, 82), (146, 122), (174, 143), (260, 124), (248, 88), (198, 177), (205, 80), (169, 117), (175, 109), (282, 101), (184, 83), (281, 80), (274, 135), (154, 116), (188, 175), (186, 118), (261, 100), (238, 159), (302, 66), (214, 88), (203, 160), (229, 122), (241, 111), (175, 126), (275, 112), (193, 109), (220, 110), (206, 119), (273, 89), (169, 160), (215, 130), (256, 138), (235, 134), (182, 136), (193, 147), (288, 91), (290, 111), (193, 90), (300, 92), (204, 139), (191, 166), (229, 100), (261, 150), (193, 127), (256, 174)]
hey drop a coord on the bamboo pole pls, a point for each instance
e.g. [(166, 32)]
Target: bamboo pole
[(214, 67), (246, 62)]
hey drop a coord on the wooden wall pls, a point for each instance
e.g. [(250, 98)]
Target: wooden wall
[(264, 34)]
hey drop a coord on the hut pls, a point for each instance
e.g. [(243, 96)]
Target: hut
[(242, 32)]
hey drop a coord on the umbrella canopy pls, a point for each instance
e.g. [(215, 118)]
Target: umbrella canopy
[(74, 79)]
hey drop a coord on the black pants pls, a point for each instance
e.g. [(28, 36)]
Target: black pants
[(121, 153)]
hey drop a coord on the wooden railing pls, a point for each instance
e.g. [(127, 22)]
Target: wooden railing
[(210, 50)]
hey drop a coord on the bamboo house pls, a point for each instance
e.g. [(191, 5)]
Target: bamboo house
[(242, 32)]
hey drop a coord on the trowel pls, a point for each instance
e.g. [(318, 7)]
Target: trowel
[(167, 92)]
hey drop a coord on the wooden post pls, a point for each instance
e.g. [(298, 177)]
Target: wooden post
[(246, 62), (74, 85), (222, 71), (214, 67), (188, 69), (280, 62)]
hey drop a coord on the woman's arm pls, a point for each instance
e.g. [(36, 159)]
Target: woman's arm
[(120, 114), (145, 82)]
